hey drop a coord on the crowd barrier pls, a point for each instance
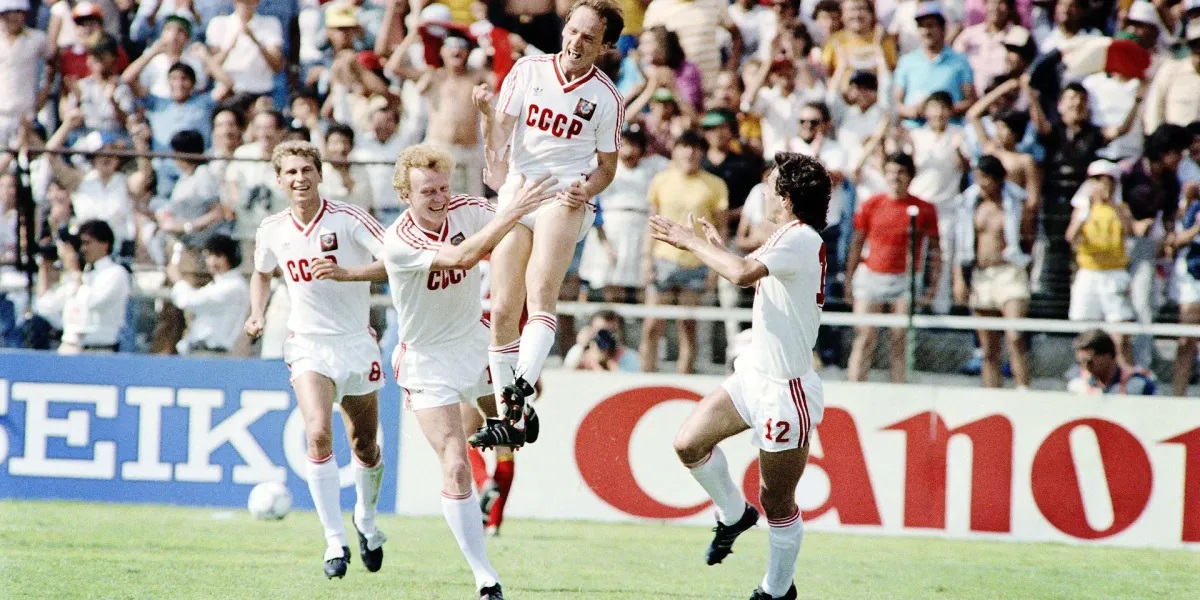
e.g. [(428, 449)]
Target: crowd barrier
[(893, 460)]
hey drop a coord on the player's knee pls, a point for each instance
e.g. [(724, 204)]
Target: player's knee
[(320, 442), (688, 448), (457, 472), (365, 448), (778, 504)]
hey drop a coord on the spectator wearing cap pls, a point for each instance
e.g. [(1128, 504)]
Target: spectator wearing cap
[(1098, 228), (1101, 371), (985, 44), (772, 96), (933, 68), (988, 254), (1068, 31), (90, 305), (194, 211), (1150, 188), (1174, 95), (149, 73), (861, 43), (343, 33), (682, 193), (725, 159), (249, 48), (697, 23), (626, 206), (728, 96), (903, 24), (102, 97), (1144, 25), (76, 28), (218, 310), (23, 56)]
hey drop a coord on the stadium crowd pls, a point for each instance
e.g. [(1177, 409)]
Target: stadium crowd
[(1045, 154)]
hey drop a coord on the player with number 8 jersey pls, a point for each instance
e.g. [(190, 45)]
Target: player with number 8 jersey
[(773, 391), (332, 353)]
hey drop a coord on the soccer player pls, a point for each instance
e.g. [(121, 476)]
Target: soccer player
[(332, 352), (560, 115), (774, 390)]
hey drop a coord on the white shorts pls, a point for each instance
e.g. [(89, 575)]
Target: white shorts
[(1189, 287), (352, 361), (442, 375), (881, 288), (1101, 296), (781, 414), (505, 195)]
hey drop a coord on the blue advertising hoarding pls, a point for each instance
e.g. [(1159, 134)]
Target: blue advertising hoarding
[(171, 430)]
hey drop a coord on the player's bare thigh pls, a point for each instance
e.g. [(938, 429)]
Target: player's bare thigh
[(713, 420), (314, 395), (554, 242), (508, 264), (779, 474)]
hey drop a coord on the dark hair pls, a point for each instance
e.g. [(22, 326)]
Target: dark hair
[(238, 116), (1167, 138), (610, 12), (223, 245), (865, 79), (188, 141), (992, 167), (829, 6), (605, 341), (99, 231), (634, 135), (187, 71), (940, 97), (1097, 341), (821, 108), (669, 40), (802, 180), (1077, 88), (1016, 121), (297, 132), (281, 121), (802, 35), (692, 139), (904, 160), (607, 315), (340, 129), (304, 94), (1193, 128)]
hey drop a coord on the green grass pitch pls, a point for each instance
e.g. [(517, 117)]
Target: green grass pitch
[(72, 550)]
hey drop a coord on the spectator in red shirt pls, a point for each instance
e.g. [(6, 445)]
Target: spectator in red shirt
[(880, 283)]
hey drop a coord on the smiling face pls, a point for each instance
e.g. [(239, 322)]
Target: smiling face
[(299, 177), (430, 196), (583, 40)]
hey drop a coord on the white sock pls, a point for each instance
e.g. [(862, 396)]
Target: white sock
[(713, 475), (502, 364), (784, 537), (536, 342), (466, 522), (367, 481), (326, 494)]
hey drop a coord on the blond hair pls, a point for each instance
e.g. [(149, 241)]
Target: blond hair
[(421, 156), (295, 148)]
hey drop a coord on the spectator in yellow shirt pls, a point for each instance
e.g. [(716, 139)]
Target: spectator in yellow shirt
[(683, 193)]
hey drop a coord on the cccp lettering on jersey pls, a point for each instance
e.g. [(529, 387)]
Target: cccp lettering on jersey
[(440, 280), (556, 124), (298, 270)]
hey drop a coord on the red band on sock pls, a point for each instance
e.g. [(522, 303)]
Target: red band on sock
[(787, 521), (320, 461), (701, 462), (378, 459), (449, 496)]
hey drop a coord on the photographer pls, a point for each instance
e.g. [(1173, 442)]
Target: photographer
[(88, 302), (599, 348)]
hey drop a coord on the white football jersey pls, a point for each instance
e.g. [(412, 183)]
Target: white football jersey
[(435, 307), (341, 232), (788, 301), (560, 125)]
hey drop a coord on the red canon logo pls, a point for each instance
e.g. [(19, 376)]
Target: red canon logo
[(1053, 483)]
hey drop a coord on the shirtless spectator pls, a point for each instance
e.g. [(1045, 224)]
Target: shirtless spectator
[(880, 283), (989, 253), (448, 89), (1020, 168)]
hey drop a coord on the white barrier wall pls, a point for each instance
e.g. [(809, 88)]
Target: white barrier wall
[(896, 460)]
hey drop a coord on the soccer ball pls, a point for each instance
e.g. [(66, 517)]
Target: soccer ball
[(269, 501)]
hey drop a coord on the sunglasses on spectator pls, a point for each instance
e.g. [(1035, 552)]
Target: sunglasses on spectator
[(810, 121)]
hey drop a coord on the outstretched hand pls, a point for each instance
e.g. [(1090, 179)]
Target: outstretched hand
[(666, 230), (710, 231), (495, 168)]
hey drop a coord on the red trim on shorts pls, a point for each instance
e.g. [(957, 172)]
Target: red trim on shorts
[(800, 399), (786, 521), (396, 363), (308, 229), (320, 461), (459, 497)]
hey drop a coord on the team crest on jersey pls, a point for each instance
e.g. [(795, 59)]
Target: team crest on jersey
[(457, 239), (328, 242), (584, 110)]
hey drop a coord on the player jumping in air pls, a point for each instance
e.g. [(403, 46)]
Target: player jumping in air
[(431, 254), (774, 390), (332, 352), (560, 116)]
